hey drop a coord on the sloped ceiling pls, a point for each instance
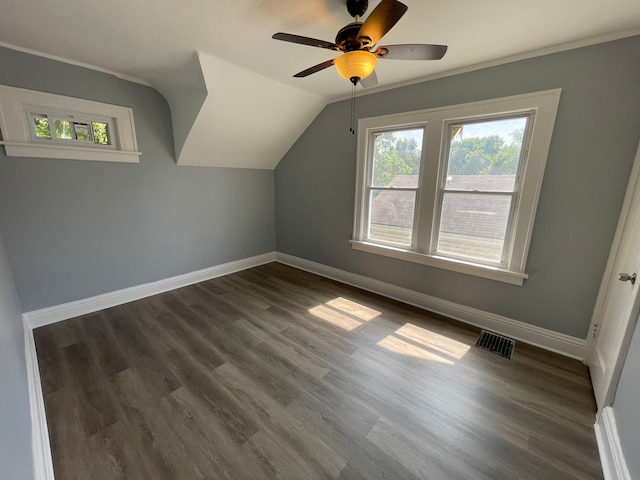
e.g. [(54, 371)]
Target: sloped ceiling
[(245, 120), (233, 100)]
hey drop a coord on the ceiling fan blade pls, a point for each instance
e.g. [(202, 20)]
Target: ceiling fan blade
[(380, 21), (314, 69), (370, 81), (312, 42), (411, 51)]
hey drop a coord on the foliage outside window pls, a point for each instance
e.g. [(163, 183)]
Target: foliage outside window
[(80, 132), (455, 187)]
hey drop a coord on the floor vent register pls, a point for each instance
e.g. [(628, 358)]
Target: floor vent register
[(495, 343)]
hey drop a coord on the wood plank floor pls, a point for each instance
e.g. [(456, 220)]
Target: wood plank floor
[(277, 373)]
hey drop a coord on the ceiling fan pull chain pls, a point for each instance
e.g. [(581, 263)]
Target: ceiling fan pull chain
[(352, 129)]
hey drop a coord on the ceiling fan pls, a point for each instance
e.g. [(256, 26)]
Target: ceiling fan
[(357, 42)]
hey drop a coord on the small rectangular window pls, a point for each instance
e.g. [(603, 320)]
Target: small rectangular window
[(41, 125), (63, 129), (100, 133), (81, 131)]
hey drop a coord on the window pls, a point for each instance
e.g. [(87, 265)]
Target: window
[(455, 187), (39, 124), (72, 129), (394, 185)]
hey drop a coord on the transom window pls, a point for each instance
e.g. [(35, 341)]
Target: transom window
[(455, 187), (71, 129), (45, 125)]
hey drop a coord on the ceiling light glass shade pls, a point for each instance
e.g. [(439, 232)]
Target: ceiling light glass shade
[(358, 64)]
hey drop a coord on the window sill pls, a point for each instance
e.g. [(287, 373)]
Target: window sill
[(19, 149), (491, 273)]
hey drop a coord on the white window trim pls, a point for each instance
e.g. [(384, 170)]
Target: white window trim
[(544, 105), (18, 104)]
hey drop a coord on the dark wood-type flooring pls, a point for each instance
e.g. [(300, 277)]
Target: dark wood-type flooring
[(274, 372)]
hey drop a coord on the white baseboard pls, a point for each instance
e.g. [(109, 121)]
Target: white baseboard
[(549, 340), (65, 311), (612, 459), (41, 449)]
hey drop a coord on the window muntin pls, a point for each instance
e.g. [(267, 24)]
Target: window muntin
[(479, 192), (510, 200), (393, 185)]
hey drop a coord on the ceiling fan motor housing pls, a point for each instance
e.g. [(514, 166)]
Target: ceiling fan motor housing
[(356, 8), (347, 37)]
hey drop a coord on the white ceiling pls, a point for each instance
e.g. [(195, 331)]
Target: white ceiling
[(153, 40)]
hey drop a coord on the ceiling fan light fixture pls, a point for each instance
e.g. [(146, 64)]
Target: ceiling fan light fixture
[(357, 64)]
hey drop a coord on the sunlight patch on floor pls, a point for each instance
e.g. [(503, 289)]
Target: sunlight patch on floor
[(353, 308), (344, 313), (424, 344), (435, 341)]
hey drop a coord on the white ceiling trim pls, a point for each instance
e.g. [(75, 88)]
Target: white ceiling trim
[(122, 76)]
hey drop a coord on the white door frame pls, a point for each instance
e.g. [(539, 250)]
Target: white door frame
[(631, 204)]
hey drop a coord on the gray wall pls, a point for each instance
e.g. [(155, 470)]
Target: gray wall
[(15, 419), (74, 229), (626, 406), (595, 139)]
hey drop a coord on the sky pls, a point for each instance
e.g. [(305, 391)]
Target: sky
[(502, 128)]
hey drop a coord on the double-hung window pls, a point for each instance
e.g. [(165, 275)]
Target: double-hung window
[(393, 186), (455, 187)]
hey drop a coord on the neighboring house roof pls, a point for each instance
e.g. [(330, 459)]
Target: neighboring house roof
[(484, 215), (395, 208)]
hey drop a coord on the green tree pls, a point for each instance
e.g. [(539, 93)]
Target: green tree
[(63, 129), (485, 155), (393, 156), (42, 127), (408, 150), (100, 133)]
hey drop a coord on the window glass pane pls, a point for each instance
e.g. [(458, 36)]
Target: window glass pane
[(63, 129), (391, 216), (474, 225), (82, 131), (101, 133), (396, 158), (42, 126), (484, 156)]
